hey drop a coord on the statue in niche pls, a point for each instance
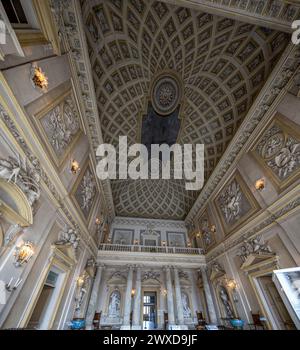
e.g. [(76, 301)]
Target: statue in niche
[(226, 302), (68, 237), (114, 307), (186, 306)]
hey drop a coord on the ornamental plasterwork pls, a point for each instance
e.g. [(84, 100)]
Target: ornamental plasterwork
[(146, 222), (254, 246), (235, 203), (151, 275), (248, 131), (255, 231), (22, 174), (151, 37), (68, 237), (85, 192), (35, 164), (60, 126), (207, 233), (279, 151), (71, 32), (278, 13)]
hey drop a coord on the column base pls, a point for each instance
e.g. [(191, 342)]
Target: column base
[(125, 328), (136, 328)]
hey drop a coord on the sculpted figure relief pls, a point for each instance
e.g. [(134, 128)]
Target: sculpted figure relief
[(253, 246), (230, 202), (27, 179), (87, 189), (68, 237)]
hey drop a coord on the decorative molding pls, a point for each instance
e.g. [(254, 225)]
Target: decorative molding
[(269, 97), (180, 225), (277, 14), (69, 24), (35, 164), (255, 230)]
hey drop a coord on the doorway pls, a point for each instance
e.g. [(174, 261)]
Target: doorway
[(43, 309), (149, 310), (275, 306)]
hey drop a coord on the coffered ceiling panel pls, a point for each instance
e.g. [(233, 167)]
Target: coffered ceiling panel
[(222, 64)]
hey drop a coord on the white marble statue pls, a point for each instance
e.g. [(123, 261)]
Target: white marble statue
[(114, 304), (186, 307), (226, 302)]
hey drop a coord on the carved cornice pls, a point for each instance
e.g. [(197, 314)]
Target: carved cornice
[(264, 106), (170, 224), (69, 24), (276, 15)]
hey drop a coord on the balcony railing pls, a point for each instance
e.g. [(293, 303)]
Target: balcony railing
[(150, 249)]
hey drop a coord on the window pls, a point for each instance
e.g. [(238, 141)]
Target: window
[(14, 11)]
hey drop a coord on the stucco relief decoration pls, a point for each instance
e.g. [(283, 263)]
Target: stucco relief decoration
[(114, 307), (23, 175), (254, 246), (235, 203), (68, 237), (61, 127), (206, 230), (165, 94), (151, 275), (86, 192), (279, 150)]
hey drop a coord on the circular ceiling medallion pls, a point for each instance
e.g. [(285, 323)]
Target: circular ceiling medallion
[(166, 94)]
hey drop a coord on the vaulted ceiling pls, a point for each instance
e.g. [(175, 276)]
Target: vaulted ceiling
[(222, 63)]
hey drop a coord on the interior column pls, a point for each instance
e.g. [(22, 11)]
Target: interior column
[(127, 300), (171, 317), (178, 298), (208, 296), (94, 297), (137, 301)]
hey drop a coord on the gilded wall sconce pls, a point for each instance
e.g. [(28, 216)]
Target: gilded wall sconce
[(75, 168), (23, 253), (260, 184), (39, 78)]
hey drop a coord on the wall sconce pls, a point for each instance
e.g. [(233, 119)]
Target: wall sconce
[(198, 234), (189, 244), (98, 221), (23, 254), (132, 293), (163, 243), (80, 281), (9, 287), (164, 292), (75, 168), (136, 242), (213, 228), (260, 184), (39, 78), (232, 284)]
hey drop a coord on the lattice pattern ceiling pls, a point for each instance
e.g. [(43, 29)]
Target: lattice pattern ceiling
[(223, 65)]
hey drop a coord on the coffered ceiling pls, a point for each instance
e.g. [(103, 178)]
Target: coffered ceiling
[(222, 64)]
